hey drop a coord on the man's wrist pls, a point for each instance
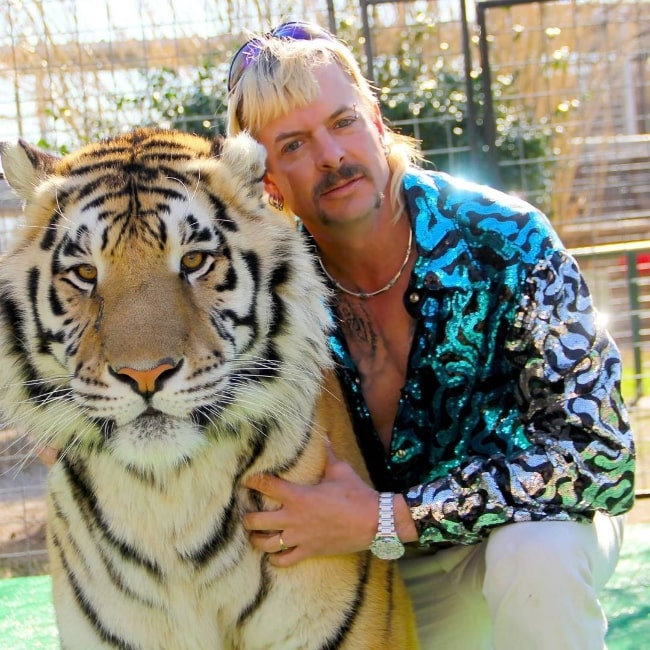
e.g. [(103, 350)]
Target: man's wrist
[(404, 524)]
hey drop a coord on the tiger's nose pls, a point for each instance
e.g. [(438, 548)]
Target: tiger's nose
[(147, 382)]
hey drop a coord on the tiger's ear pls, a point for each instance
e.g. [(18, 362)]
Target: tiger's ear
[(217, 146), (245, 157), (25, 166)]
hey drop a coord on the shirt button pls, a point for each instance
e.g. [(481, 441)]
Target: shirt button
[(414, 297)]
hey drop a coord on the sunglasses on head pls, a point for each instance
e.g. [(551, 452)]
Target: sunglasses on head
[(249, 51)]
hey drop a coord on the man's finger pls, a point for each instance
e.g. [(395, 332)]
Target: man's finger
[(267, 484), (269, 542), (48, 455), (264, 521), (286, 558), (330, 452)]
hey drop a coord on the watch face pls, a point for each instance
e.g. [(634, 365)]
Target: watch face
[(387, 547)]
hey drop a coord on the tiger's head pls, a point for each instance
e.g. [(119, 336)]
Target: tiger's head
[(152, 301)]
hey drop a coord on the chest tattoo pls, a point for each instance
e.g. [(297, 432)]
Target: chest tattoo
[(357, 325)]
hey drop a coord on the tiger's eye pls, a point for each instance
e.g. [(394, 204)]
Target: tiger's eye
[(192, 261), (86, 272)]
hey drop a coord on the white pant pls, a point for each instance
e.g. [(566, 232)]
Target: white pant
[(530, 585)]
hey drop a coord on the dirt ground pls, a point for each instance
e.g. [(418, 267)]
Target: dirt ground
[(22, 509)]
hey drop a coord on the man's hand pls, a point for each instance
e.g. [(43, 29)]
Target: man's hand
[(336, 516), (47, 455)]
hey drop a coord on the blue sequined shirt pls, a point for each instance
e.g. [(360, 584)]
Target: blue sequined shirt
[(511, 408)]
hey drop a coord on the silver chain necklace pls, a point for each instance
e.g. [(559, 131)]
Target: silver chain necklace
[(362, 294)]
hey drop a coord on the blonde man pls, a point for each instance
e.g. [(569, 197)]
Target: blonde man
[(484, 393)]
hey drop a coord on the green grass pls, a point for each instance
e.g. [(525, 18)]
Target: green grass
[(626, 599), (630, 379), (629, 386)]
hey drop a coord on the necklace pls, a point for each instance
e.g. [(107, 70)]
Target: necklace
[(362, 294)]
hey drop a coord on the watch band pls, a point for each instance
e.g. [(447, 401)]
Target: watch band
[(386, 544), (386, 514)]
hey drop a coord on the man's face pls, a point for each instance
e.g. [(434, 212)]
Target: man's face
[(327, 159)]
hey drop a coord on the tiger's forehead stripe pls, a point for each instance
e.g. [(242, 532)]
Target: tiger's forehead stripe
[(130, 165), (220, 214), (77, 246), (137, 145), (131, 188), (140, 198), (194, 232)]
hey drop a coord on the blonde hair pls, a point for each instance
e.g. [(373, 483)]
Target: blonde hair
[(281, 78)]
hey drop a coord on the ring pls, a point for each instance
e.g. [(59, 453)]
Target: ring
[(283, 546)]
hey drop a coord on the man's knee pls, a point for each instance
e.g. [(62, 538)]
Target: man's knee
[(538, 572), (540, 553), (550, 552)]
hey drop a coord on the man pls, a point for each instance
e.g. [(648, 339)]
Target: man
[(483, 389)]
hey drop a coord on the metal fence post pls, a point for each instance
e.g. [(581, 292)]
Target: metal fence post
[(635, 318)]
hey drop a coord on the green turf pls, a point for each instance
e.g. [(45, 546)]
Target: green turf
[(27, 615), (627, 595)]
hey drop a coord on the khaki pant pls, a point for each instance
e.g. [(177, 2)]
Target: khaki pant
[(530, 585)]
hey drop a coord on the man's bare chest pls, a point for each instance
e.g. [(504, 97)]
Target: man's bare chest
[(378, 336)]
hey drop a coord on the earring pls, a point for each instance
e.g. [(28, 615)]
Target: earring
[(275, 202)]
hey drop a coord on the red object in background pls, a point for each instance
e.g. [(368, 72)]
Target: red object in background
[(642, 263)]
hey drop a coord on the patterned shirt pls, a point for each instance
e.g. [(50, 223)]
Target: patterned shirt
[(511, 408)]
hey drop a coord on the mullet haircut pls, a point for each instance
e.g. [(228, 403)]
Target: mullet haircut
[(281, 79)]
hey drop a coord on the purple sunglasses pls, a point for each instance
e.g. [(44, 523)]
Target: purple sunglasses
[(249, 51)]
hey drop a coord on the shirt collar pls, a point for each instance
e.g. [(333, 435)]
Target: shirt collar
[(444, 260)]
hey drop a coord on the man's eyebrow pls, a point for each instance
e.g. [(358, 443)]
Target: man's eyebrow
[(284, 135)]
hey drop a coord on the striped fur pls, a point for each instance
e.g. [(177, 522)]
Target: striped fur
[(166, 330)]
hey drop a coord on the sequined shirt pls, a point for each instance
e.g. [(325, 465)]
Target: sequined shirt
[(511, 408)]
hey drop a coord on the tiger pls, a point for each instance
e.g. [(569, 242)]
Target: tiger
[(166, 330)]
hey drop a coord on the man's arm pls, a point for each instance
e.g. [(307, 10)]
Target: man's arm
[(581, 453)]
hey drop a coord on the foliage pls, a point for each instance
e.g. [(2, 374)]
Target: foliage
[(200, 107), (195, 104), (192, 100), (435, 109)]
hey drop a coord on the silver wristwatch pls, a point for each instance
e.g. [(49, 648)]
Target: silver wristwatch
[(386, 544)]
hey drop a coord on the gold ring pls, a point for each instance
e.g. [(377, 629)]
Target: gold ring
[(283, 546)]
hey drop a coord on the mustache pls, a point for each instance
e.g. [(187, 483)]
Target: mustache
[(343, 173)]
